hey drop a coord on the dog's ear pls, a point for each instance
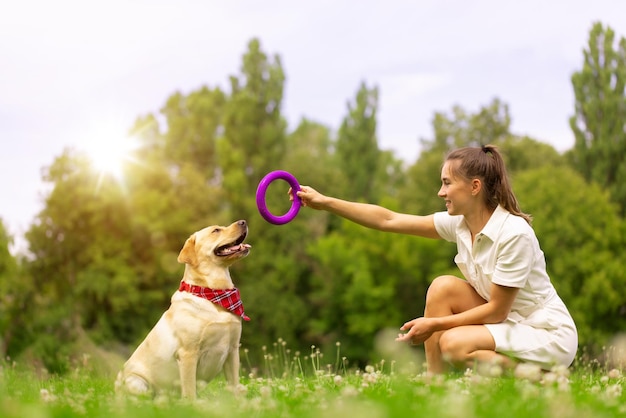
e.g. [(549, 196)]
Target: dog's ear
[(188, 253)]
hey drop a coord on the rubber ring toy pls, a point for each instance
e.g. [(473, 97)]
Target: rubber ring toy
[(262, 189)]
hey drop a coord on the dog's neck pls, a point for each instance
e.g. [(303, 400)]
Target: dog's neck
[(217, 279)]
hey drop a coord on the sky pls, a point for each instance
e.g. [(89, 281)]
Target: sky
[(78, 73)]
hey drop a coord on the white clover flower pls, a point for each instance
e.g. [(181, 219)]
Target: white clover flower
[(337, 379), (240, 389), (265, 391), (46, 395), (614, 374), (201, 385), (529, 391), (560, 370), (370, 377), (349, 391), (549, 378), (476, 379), (531, 372), (162, 400), (614, 391), (495, 370), (489, 369), (563, 385)]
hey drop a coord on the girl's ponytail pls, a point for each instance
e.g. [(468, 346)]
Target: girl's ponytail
[(486, 163)]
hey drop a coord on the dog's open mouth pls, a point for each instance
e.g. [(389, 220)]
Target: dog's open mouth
[(235, 247)]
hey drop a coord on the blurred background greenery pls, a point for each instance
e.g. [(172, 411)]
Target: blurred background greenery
[(101, 263)]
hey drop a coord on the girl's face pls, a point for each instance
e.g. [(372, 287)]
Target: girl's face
[(455, 190)]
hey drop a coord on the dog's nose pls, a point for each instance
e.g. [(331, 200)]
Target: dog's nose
[(241, 222)]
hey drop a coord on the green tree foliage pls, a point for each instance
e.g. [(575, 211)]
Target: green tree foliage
[(12, 292), (254, 130), (524, 153), (310, 157), (357, 145), (82, 258), (583, 240), (598, 123), (194, 122)]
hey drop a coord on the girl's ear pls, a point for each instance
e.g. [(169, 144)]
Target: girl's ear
[(476, 186)]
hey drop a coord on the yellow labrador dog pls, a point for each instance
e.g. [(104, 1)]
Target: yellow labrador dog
[(198, 336)]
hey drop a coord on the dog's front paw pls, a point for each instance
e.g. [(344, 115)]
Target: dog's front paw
[(133, 385)]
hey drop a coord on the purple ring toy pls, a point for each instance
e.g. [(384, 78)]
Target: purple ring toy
[(260, 197)]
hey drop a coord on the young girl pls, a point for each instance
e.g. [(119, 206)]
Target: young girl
[(506, 309)]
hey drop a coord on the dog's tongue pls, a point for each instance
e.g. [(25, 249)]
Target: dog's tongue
[(236, 248)]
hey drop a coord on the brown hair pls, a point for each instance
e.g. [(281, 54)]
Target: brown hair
[(486, 163)]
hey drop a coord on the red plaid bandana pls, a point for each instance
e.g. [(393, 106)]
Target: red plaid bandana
[(229, 298)]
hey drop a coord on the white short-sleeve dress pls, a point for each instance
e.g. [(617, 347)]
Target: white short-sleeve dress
[(539, 329)]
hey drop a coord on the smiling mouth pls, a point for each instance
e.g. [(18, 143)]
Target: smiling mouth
[(235, 247)]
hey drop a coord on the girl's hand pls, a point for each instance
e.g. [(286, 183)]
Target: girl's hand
[(309, 197), (419, 330)]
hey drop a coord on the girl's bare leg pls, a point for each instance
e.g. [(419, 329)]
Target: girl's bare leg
[(465, 346), (447, 295)]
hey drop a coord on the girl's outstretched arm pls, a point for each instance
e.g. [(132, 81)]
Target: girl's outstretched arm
[(369, 215)]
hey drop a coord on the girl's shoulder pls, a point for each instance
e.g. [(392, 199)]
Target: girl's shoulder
[(447, 225)]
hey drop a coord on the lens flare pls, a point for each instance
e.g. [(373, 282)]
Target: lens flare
[(109, 153)]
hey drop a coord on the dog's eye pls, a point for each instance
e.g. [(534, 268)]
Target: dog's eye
[(216, 230)]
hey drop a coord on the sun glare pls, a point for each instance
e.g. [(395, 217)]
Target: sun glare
[(109, 153)]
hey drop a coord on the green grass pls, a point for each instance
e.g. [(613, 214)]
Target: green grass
[(306, 386)]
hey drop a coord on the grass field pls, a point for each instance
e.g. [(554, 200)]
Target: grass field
[(305, 386)]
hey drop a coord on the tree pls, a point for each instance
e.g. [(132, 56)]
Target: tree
[(194, 125), (310, 157), (357, 145), (583, 239), (13, 293), (253, 141), (524, 153), (194, 122), (82, 259), (600, 113)]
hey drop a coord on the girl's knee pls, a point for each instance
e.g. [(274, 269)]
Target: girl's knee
[(453, 348), (441, 286), (451, 295)]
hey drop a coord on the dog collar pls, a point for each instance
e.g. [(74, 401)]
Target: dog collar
[(227, 298)]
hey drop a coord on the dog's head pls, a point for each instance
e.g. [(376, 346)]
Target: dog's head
[(220, 245)]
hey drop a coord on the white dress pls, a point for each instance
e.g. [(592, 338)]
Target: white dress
[(539, 329)]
